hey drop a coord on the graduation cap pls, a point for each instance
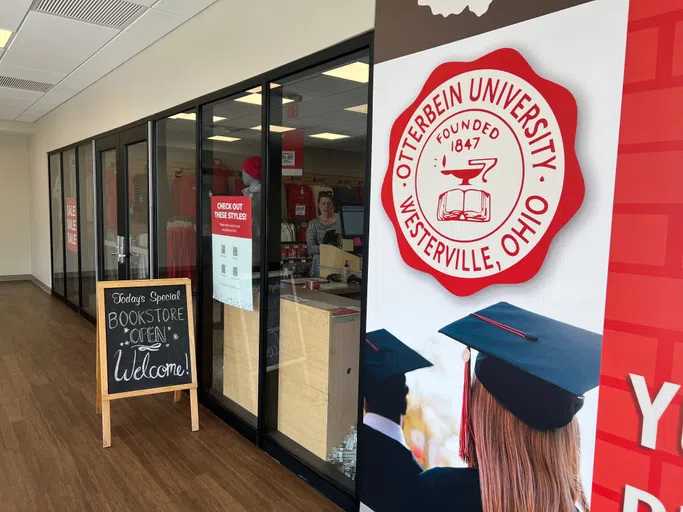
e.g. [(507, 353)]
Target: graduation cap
[(536, 367), (386, 356)]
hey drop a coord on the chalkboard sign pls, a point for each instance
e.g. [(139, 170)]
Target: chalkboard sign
[(146, 341)]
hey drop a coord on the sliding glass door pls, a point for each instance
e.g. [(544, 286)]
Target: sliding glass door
[(57, 225), (123, 169), (71, 241), (87, 229)]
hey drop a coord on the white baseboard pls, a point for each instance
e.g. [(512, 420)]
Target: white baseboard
[(41, 285), (16, 277)]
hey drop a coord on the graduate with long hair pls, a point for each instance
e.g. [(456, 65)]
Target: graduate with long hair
[(519, 433)]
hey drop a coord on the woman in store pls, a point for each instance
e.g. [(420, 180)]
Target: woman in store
[(519, 431), (327, 223)]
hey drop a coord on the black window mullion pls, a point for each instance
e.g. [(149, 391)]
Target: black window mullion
[(52, 243), (61, 176)]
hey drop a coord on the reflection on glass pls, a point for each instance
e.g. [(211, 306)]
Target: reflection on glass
[(319, 128), (71, 225), (231, 179), (138, 209), (57, 226), (177, 196), (110, 212), (86, 199)]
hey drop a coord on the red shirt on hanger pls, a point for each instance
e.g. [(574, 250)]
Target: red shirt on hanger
[(184, 196), (300, 203)]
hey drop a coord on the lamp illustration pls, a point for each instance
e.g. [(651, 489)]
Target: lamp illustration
[(466, 204)]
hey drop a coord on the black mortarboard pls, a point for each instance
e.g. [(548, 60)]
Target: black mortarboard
[(386, 356), (536, 367)]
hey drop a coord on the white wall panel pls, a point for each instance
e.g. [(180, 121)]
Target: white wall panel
[(15, 234)]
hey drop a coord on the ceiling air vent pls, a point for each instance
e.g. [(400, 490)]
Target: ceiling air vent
[(110, 13), (26, 85)]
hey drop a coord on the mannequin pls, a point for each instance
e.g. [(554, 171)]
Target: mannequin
[(251, 175)]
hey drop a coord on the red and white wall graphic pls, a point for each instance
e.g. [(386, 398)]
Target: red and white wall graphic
[(71, 224), (639, 455), (611, 263)]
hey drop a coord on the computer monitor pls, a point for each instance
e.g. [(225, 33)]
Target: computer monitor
[(352, 220)]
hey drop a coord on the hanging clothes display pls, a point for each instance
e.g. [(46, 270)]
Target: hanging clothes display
[(345, 195), (220, 179), (111, 207), (301, 233), (181, 230), (184, 196), (181, 249), (300, 203)]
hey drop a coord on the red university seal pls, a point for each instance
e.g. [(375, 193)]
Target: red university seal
[(483, 172)]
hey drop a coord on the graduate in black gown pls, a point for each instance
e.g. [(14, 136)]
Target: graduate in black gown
[(519, 434), (387, 470)]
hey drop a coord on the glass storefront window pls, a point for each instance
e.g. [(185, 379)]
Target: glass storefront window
[(71, 226), (231, 239), (87, 240), (138, 209), (57, 227), (177, 196), (318, 139), (110, 213)]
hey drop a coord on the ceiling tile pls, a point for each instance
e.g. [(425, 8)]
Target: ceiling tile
[(21, 4), (68, 42), (49, 101), (19, 103), (38, 61), (11, 15), (153, 25), (30, 74), (64, 88), (9, 110), (31, 115), (183, 7), (8, 92), (147, 3)]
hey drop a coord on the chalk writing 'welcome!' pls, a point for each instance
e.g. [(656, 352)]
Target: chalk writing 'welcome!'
[(147, 337)]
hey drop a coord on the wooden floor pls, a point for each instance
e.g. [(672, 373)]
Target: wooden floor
[(51, 457)]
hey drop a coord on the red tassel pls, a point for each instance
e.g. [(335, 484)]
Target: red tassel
[(466, 435)]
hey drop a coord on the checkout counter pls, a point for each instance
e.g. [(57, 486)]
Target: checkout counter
[(317, 356)]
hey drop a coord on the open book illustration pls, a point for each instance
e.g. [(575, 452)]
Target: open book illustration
[(469, 205)]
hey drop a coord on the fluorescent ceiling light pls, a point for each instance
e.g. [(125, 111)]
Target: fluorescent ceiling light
[(361, 109), (189, 117), (356, 72), (193, 117), (4, 37), (224, 138), (257, 90), (330, 136), (275, 128), (255, 99)]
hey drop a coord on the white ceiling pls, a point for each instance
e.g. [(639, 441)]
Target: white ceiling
[(65, 55)]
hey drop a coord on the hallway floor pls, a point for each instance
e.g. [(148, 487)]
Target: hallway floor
[(51, 455)]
